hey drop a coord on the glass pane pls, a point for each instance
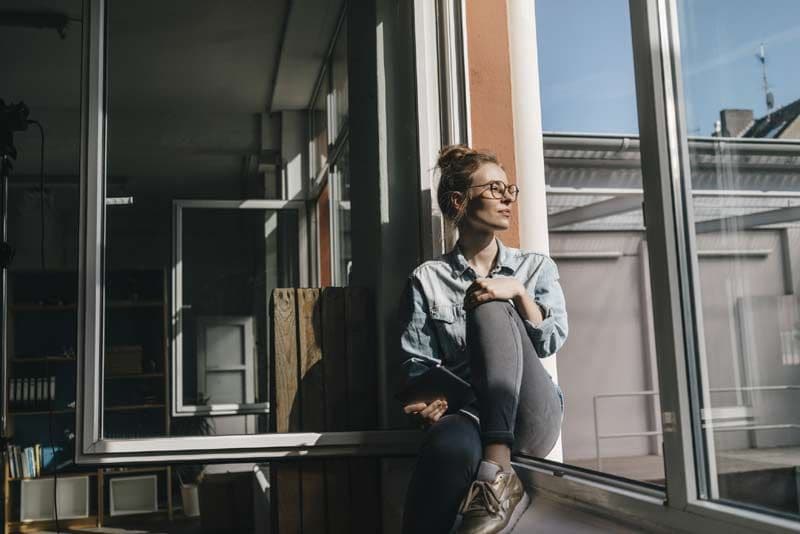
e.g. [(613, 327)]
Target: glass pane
[(224, 293), (187, 122), (41, 81), (191, 320), (339, 67), (224, 387), (741, 89), (342, 206), (319, 127), (607, 368), (225, 346)]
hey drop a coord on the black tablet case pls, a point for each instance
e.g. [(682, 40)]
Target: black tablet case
[(434, 383)]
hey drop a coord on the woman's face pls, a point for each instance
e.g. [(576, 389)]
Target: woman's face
[(484, 212)]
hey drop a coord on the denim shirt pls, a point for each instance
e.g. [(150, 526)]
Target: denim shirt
[(435, 328)]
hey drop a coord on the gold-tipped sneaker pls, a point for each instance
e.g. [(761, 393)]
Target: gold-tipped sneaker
[(494, 502)]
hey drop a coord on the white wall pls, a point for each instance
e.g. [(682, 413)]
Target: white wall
[(607, 350)]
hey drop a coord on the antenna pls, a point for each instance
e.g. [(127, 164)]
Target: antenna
[(769, 97)]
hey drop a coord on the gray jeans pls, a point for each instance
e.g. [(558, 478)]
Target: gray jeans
[(518, 404)]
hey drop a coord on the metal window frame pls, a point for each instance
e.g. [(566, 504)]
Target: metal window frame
[(91, 447), (659, 104), (179, 409), (673, 262)]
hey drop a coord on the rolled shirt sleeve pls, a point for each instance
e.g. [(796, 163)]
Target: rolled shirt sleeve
[(418, 340), (549, 335)]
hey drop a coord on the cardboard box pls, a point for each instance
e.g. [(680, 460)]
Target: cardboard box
[(123, 360)]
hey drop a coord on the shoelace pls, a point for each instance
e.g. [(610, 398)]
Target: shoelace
[(481, 497)]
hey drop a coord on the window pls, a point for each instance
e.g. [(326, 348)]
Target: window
[(329, 124), (597, 238), (40, 285), (742, 130), (320, 130)]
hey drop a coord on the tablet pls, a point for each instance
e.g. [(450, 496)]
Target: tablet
[(434, 383)]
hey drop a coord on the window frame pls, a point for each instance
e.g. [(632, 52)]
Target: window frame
[(678, 322), (179, 408), (673, 286), (338, 140), (91, 447)]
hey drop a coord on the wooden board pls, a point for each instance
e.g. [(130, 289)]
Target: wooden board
[(365, 494), (334, 346), (285, 484), (341, 512), (325, 380), (313, 491), (309, 330), (361, 365), (285, 374)]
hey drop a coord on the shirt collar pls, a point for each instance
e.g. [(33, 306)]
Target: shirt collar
[(507, 261)]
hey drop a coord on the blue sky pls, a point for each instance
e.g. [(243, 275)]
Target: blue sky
[(586, 61)]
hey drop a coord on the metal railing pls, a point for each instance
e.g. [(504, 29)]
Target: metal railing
[(708, 424)]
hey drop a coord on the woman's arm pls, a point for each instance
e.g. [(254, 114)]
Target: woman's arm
[(541, 306), (418, 340), (550, 333)]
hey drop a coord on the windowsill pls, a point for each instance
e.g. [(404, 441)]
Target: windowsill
[(641, 505)]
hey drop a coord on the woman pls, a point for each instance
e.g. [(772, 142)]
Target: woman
[(488, 313)]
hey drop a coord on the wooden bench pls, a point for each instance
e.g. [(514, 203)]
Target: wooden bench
[(324, 380)]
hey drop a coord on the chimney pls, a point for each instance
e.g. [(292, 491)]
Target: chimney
[(735, 121)]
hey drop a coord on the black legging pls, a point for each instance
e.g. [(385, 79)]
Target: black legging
[(518, 405)]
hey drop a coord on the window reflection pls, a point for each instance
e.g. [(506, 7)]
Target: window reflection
[(597, 237), (741, 96)]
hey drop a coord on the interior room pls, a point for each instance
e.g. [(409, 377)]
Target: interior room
[(217, 115)]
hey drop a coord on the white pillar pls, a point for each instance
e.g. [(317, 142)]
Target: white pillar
[(528, 146)]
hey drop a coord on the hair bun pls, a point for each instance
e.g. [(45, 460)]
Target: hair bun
[(451, 154)]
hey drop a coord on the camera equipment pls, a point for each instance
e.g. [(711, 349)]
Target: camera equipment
[(13, 118)]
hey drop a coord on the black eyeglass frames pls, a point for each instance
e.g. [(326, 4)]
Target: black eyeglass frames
[(498, 189)]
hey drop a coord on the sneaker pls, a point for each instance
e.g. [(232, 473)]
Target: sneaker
[(494, 502)]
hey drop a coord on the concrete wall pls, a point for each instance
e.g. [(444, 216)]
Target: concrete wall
[(607, 351)]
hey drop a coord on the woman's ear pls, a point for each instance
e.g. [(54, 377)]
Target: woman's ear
[(457, 200)]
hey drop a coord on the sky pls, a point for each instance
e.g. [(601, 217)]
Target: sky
[(587, 79)]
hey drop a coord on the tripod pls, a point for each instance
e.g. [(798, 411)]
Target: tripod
[(6, 254), (13, 118)]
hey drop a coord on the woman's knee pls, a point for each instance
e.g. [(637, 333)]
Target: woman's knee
[(489, 312)]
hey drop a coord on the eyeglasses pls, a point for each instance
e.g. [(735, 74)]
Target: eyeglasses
[(498, 189)]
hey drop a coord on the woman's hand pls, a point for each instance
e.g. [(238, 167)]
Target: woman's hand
[(486, 289), (429, 413)]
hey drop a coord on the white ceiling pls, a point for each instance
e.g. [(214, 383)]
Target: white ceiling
[(310, 25), (188, 80)]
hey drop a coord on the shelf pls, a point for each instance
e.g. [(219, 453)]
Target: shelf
[(43, 359), (43, 307), (114, 304), (40, 412), (71, 474), (130, 470), (129, 377), (117, 304), (35, 526), (133, 407)]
